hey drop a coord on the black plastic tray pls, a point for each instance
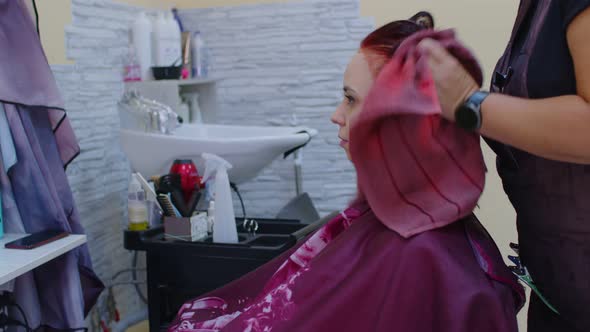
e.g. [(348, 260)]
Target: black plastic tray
[(272, 237), (179, 270)]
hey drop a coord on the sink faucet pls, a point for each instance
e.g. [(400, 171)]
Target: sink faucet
[(139, 113)]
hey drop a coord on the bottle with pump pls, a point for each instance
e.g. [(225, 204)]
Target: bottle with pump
[(132, 70), (167, 48), (159, 34), (224, 224), (142, 41), (137, 205), (175, 41)]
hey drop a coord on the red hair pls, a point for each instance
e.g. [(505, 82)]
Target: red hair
[(380, 45)]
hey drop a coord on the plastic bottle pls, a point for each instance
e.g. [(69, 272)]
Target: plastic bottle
[(159, 40), (195, 110), (1, 224), (136, 203), (224, 224), (142, 41), (132, 71), (183, 111), (177, 19), (210, 217), (167, 48), (174, 56), (200, 56)]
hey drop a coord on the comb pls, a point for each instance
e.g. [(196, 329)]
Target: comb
[(166, 205)]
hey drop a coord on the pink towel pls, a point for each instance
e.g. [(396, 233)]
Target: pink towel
[(416, 170)]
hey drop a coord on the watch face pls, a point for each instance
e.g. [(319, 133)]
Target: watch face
[(466, 117)]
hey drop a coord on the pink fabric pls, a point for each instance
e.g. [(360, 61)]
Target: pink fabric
[(274, 303), (416, 170), (354, 275)]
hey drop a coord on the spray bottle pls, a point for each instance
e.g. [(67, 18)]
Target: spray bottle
[(224, 224)]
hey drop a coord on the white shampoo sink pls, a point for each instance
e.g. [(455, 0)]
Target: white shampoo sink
[(248, 149)]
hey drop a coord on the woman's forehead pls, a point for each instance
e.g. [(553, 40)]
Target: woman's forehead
[(358, 74)]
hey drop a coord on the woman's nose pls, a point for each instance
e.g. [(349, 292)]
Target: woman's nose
[(338, 117)]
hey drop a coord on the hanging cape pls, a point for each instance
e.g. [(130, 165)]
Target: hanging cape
[(36, 193)]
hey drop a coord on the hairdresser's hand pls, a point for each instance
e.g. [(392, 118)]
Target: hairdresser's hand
[(453, 83)]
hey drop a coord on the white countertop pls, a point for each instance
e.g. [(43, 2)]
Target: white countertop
[(15, 262)]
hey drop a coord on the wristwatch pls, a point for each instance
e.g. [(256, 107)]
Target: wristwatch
[(468, 115)]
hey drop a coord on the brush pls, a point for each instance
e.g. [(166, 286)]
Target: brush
[(167, 205)]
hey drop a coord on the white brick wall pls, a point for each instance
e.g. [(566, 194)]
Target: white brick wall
[(281, 59), (275, 60), (96, 40)]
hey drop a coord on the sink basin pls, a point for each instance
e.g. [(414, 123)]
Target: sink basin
[(249, 149)]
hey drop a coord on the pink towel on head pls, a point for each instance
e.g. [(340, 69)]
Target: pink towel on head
[(416, 170)]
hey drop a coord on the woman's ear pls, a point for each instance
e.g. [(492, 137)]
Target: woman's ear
[(424, 19)]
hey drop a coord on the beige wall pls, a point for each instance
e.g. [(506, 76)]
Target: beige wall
[(485, 33), (54, 15), (484, 25)]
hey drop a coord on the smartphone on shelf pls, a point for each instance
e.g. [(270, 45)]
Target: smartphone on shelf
[(36, 240)]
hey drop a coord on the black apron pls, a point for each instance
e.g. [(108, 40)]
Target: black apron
[(551, 199)]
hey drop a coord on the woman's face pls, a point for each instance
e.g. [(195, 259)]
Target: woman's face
[(357, 83)]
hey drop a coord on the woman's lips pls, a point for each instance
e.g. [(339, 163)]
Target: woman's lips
[(343, 142)]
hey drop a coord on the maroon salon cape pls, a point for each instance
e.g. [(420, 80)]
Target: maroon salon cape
[(381, 265)]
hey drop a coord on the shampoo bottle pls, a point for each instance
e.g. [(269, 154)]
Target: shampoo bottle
[(174, 56), (224, 224), (142, 41), (159, 35), (199, 56)]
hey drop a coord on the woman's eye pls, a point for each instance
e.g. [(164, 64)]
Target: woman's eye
[(349, 99)]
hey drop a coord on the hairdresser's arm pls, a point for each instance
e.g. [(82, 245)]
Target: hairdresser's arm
[(555, 128)]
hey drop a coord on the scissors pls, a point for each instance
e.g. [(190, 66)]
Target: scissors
[(522, 273)]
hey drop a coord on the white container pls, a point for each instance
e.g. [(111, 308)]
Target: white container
[(175, 35), (198, 227), (195, 109), (224, 223), (142, 41), (199, 56), (210, 217), (183, 111), (167, 48), (158, 39)]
